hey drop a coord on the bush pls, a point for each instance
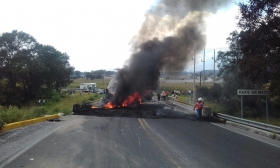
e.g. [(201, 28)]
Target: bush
[(55, 98), (214, 92), (37, 112), (56, 110), (2, 123), (94, 97), (11, 114), (232, 104), (66, 111), (84, 101)]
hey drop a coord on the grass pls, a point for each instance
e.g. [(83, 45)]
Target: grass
[(215, 106), (53, 106), (271, 121), (68, 101), (179, 86)]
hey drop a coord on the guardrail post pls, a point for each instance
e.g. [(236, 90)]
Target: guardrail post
[(266, 109), (241, 106)]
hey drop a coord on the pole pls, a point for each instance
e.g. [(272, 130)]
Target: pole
[(241, 106), (204, 68), (214, 69), (200, 79), (194, 77), (266, 109), (104, 85)]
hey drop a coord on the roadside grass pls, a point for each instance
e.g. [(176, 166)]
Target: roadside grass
[(185, 98), (53, 106), (166, 86), (215, 107), (272, 121)]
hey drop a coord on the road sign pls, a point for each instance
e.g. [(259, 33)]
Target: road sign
[(245, 92), (252, 92)]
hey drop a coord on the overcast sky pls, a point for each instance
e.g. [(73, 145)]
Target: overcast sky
[(96, 34)]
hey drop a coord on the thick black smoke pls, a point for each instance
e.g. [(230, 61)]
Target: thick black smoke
[(172, 31)]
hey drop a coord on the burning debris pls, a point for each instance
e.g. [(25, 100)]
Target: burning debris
[(173, 29)]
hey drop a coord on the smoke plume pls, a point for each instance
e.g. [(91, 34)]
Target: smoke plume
[(172, 31)]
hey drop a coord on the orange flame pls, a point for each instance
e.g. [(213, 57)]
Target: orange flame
[(94, 107), (131, 99), (110, 105)]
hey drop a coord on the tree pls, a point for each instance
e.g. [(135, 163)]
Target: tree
[(16, 50), (259, 43), (28, 69), (56, 70), (77, 74)]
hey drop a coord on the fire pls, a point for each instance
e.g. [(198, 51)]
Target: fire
[(110, 105), (94, 107), (131, 99)]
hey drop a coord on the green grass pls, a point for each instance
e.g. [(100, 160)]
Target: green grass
[(272, 121), (179, 86), (53, 106), (215, 106)]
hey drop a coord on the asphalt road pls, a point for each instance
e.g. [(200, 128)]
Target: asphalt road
[(153, 135)]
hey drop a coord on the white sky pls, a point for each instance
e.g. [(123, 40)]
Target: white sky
[(96, 34)]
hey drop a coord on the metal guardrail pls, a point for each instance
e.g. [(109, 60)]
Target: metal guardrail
[(250, 123)]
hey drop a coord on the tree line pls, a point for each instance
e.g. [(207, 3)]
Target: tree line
[(253, 58), (98, 74), (29, 70)]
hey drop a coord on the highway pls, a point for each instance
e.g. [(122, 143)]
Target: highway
[(153, 135)]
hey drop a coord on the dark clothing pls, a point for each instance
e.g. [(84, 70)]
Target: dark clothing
[(158, 96)]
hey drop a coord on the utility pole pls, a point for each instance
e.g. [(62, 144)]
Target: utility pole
[(203, 68), (199, 79), (214, 68), (194, 77), (104, 84)]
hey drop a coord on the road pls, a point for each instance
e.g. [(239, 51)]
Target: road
[(153, 135)]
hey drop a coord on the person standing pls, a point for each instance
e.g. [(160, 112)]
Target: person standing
[(175, 98), (158, 96), (43, 102), (198, 107), (163, 95)]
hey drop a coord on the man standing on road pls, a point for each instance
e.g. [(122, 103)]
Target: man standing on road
[(198, 107), (158, 96)]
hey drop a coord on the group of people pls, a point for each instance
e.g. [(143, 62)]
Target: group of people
[(199, 106), (163, 96), (175, 92)]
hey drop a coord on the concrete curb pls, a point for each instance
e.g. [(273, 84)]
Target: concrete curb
[(11, 126)]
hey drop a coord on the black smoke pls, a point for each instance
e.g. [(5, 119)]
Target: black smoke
[(172, 31)]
